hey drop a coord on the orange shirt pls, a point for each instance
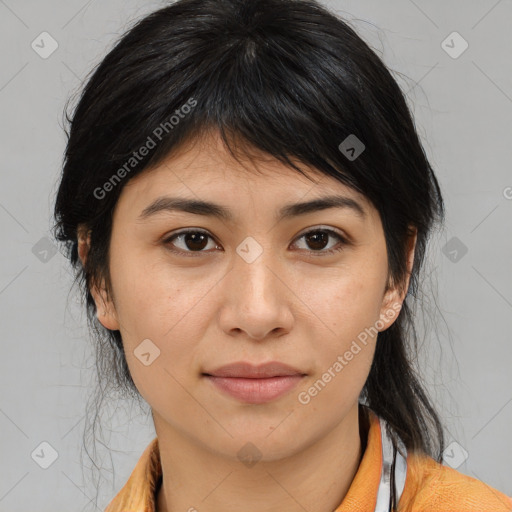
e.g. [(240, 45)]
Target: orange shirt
[(429, 486)]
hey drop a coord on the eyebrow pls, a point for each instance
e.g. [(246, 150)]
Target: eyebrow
[(207, 208)]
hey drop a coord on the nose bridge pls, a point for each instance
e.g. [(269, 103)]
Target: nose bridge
[(255, 300), (253, 274)]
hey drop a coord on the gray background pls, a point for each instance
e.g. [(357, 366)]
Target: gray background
[(463, 111)]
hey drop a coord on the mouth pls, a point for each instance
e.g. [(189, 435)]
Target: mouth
[(255, 384)]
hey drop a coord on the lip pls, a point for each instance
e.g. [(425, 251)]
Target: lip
[(247, 370), (255, 384)]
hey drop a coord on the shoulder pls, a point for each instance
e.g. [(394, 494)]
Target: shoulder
[(433, 487)]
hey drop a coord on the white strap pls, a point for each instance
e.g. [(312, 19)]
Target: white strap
[(384, 491)]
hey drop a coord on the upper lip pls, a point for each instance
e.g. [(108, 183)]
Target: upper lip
[(249, 371)]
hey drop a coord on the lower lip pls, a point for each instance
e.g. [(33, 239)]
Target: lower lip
[(256, 391)]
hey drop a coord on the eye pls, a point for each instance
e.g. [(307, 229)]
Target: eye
[(318, 238), (194, 241)]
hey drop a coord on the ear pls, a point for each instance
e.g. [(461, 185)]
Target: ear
[(105, 308), (395, 295)]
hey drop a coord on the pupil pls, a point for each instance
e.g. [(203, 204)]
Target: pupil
[(312, 240), (196, 238)]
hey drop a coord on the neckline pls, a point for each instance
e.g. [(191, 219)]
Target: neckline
[(365, 421)]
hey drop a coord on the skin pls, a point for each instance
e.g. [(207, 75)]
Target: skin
[(291, 304)]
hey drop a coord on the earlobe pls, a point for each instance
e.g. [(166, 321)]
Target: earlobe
[(391, 306), (106, 312), (395, 295), (108, 321)]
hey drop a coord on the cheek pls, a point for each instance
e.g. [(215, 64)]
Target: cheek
[(349, 304), (150, 298), (150, 309), (343, 356), (169, 307), (349, 301)]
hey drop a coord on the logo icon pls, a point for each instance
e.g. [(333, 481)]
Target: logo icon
[(146, 352), (249, 455), (44, 455), (44, 45), (454, 45), (249, 250), (454, 455), (352, 147), (454, 250)]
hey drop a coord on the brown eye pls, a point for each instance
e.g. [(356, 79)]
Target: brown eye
[(191, 241), (317, 240), (196, 241)]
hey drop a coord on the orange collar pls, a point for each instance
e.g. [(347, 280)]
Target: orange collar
[(429, 486), (138, 494)]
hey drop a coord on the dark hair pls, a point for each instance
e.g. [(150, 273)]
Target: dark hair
[(291, 79)]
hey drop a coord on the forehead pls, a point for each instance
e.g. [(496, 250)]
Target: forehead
[(204, 169), (206, 159)]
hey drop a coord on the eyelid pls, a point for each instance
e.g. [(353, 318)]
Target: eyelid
[(344, 240), (166, 240), (322, 227)]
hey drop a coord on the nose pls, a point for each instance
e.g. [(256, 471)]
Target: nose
[(257, 299)]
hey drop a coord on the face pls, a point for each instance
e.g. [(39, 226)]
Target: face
[(193, 291)]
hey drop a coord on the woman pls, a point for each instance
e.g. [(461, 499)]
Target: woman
[(247, 204)]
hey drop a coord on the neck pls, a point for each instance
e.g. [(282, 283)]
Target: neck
[(315, 479)]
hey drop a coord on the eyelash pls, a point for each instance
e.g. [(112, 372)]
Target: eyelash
[(330, 251)]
